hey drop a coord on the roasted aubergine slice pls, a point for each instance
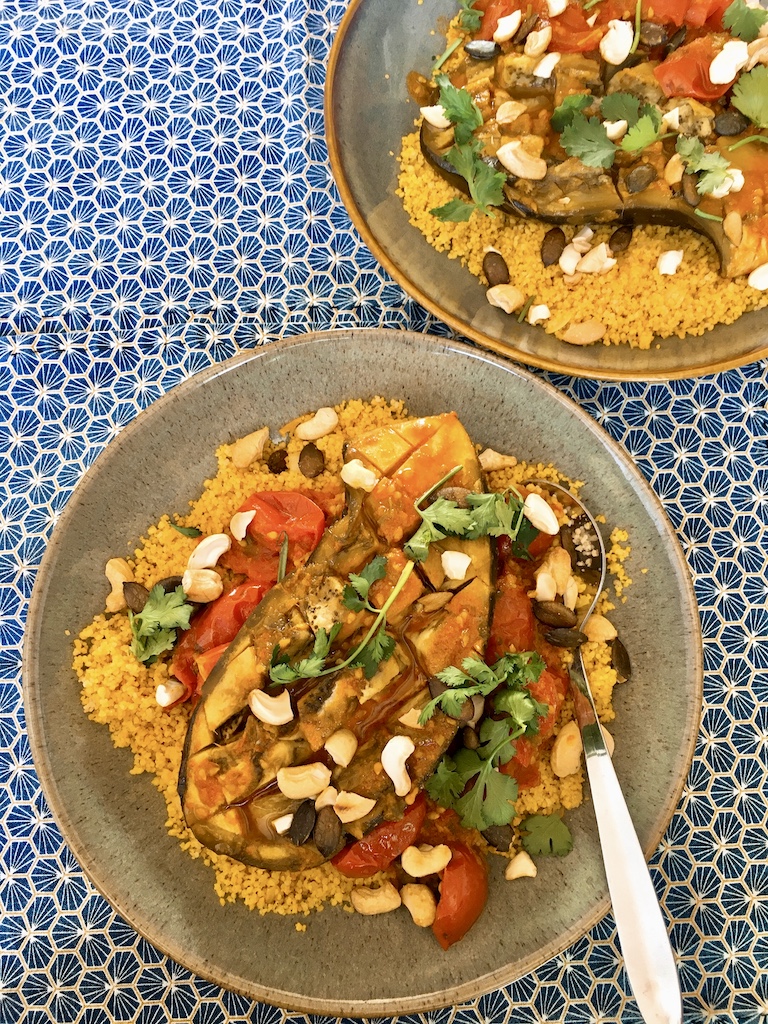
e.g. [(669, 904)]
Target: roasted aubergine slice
[(233, 776)]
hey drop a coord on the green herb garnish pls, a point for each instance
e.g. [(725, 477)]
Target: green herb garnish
[(154, 627), (587, 139), (475, 678), (187, 531), (524, 311), (470, 16), (356, 592), (546, 834), (490, 801), (744, 142), (707, 216), (381, 645), (645, 131), (282, 562), (446, 54), (621, 106), (750, 95), (638, 22), (744, 21), (563, 114), (713, 167), (485, 184)]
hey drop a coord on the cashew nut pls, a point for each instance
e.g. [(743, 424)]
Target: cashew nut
[(327, 798), (117, 572), (342, 746), (418, 861), (557, 563), (571, 593), (490, 460), (393, 758), (209, 551), (323, 422), (375, 901), (355, 474), (352, 806), (249, 448), (521, 866), (506, 297), (420, 903), (239, 523), (282, 824), (303, 780), (539, 514), (455, 564), (546, 588), (411, 719), (168, 693), (599, 629), (272, 710), (675, 169), (537, 42), (585, 333), (202, 585), (565, 758), (733, 227)]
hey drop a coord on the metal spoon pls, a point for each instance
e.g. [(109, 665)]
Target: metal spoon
[(645, 944)]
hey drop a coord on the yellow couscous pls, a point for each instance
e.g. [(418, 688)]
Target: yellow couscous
[(120, 692)]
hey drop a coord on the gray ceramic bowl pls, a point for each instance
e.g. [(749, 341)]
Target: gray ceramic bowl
[(367, 112), (113, 822)]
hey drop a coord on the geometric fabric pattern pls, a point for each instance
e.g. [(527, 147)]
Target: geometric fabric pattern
[(166, 201)]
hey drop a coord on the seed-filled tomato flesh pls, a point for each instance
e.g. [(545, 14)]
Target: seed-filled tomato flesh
[(383, 844), (513, 624), (463, 894), (288, 513), (685, 72)]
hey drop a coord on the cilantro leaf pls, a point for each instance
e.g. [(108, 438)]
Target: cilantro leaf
[(154, 627), (522, 708), (313, 665), (490, 801), (496, 746), (645, 132), (457, 210), (187, 531), (476, 679), (379, 648), (750, 95), (547, 834), (621, 106), (519, 669), (438, 520), (713, 167), (563, 114), (446, 784), (356, 591), (470, 17), (587, 139), (744, 21), (485, 184), (459, 107), (494, 515)]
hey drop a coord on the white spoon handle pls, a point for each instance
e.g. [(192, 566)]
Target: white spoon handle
[(642, 932)]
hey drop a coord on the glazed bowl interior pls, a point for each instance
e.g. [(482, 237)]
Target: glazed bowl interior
[(368, 111), (114, 822)]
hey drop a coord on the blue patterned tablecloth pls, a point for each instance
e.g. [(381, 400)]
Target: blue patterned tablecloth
[(165, 200)]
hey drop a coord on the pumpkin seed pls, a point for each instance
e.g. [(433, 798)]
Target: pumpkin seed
[(303, 823), (552, 245), (278, 461), (553, 613), (327, 834), (495, 269), (620, 661), (135, 596), (620, 239), (640, 177), (500, 837), (311, 461), (568, 638)]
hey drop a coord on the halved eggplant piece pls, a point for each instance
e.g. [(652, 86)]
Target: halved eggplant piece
[(572, 193), (228, 780)]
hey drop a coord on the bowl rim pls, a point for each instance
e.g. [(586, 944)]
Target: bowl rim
[(507, 350), (89, 860)]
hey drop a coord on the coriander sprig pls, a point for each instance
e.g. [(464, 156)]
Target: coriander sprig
[(154, 627), (314, 666), (511, 674)]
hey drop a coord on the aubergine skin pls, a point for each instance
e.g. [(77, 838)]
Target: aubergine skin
[(230, 761)]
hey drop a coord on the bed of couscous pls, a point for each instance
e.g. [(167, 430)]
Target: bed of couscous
[(121, 693)]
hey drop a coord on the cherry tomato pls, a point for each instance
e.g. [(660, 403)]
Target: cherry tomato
[(705, 11), (572, 34), (493, 10), (522, 767), (383, 844), (463, 894), (216, 625), (206, 662), (685, 72), (512, 626), (662, 12), (285, 512), (550, 689)]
